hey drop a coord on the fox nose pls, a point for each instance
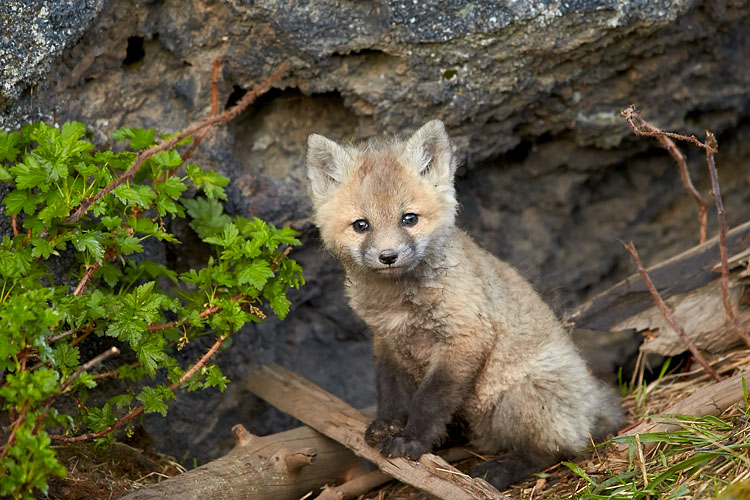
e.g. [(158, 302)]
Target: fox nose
[(388, 257)]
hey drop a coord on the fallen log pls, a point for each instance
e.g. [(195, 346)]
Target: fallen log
[(689, 283), (283, 466), (334, 418), (683, 273)]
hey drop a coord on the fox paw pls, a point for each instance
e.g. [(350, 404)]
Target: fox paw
[(401, 445), (380, 429)]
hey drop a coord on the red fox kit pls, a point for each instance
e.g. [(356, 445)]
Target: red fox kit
[(459, 335)]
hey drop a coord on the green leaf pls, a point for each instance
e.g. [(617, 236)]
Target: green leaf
[(99, 419), (110, 273), (256, 273), (42, 248), (172, 187), (168, 159), (228, 237), (129, 244), (286, 235), (89, 241), (111, 222), (280, 305), (139, 138), (120, 401), (66, 355), (30, 174), (208, 216), (5, 175), (214, 378), (211, 182), (154, 399), (151, 353), (73, 130), (8, 147), (18, 200)]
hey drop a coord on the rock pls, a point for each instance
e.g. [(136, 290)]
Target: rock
[(35, 32), (530, 92)]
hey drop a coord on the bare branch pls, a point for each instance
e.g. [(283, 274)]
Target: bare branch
[(134, 412), (210, 122), (649, 129), (86, 277), (86, 366), (716, 192), (667, 315), (630, 114)]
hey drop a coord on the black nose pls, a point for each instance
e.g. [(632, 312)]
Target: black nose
[(388, 257)]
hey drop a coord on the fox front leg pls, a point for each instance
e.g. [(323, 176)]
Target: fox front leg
[(430, 411), (395, 391)]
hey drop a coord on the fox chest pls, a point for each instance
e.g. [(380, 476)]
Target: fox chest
[(412, 330)]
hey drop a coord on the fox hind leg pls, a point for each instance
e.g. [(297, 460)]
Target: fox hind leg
[(510, 468)]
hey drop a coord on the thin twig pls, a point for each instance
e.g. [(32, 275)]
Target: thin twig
[(649, 129), (13, 428), (716, 192), (86, 277), (86, 366), (200, 364), (667, 315), (144, 155), (199, 137), (134, 412), (115, 372), (203, 314), (215, 90), (630, 114), (14, 224)]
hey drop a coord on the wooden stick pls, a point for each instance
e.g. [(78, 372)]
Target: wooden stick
[(668, 315), (366, 482), (334, 418), (716, 192)]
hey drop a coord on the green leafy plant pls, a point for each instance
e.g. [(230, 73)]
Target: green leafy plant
[(88, 211)]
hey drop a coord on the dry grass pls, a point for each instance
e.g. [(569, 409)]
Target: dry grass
[(105, 473)]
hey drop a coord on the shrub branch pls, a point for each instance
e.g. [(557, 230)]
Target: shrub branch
[(135, 412), (206, 123), (716, 193)]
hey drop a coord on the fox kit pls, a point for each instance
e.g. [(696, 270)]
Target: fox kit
[(459, 335)]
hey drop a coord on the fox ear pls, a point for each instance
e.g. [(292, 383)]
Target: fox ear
[(327, 164), (430, 151)]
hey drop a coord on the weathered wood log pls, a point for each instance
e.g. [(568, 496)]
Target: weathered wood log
[(282, 466), (334, 418), (373, 479), (683, 273), (689, 284)]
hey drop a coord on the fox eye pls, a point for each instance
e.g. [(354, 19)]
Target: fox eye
[(409, 220), (361, 225)]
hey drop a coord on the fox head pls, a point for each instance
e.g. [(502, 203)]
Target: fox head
[(383, 208)]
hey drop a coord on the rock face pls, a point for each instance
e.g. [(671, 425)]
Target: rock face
[(530, 91)]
